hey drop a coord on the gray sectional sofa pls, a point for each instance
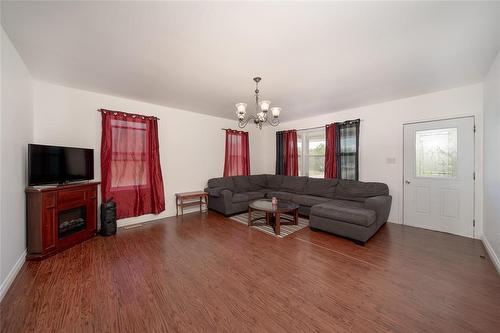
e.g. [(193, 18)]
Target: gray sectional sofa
[(351, 209)]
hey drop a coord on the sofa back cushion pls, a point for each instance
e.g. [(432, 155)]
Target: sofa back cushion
[(241, 184), (293, 184), (359, 191), (223, 182), (321, 187), (274, 182), (257, 182)]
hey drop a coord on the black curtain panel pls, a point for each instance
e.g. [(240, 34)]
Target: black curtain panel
[(348, 150), (280, 160)]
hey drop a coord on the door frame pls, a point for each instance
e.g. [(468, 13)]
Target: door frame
[(474, 166)]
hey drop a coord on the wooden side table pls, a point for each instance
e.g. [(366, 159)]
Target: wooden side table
[(187, 199)]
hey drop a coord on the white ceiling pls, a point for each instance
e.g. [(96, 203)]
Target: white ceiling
[(314, 57)]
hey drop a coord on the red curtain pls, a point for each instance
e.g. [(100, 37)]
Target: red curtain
[(130, 164), (331, 151), (237, 160), (291, 156)]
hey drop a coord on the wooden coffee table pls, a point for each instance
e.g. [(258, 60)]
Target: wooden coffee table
[(274, 213)]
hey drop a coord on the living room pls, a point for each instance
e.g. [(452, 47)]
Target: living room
[(354, 87)]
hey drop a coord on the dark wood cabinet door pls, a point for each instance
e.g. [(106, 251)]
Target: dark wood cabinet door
[(49, 230), (49, 220), (91, 214)]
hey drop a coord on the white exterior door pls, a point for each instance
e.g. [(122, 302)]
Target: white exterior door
[(439, 175)]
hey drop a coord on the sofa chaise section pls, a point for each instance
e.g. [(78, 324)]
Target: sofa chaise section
[(358, 211)]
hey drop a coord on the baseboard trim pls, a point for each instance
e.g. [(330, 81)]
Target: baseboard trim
[(4, 287), (491, 253), (135, 221), (143, 219)]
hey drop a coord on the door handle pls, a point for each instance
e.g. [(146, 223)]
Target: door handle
[(407, 182)]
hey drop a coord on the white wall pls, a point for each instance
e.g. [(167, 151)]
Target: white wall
[(492, 162), (381, 136), (191, 144), (16, 132)]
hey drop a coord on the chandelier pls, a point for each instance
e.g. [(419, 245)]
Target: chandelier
[(262, 109)]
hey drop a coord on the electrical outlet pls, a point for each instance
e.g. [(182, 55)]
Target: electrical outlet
[(390, 160)]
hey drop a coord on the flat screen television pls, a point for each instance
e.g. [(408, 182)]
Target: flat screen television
[(56, 164)]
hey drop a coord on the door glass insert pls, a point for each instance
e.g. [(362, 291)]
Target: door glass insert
[(436, 153)]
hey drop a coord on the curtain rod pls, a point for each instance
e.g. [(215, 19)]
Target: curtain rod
[(126, 113), (229, 129), (310, 128), (342, 123)]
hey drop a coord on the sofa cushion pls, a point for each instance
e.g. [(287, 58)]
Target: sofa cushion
[(223, 182), (247, 196), (308, 200), (359, 191), (345, 211), (274, 182), (321, 187), (280, 195), (257, 182), (293, 184), (241, 184)]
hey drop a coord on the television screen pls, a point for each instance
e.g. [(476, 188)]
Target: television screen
[(54, 164)]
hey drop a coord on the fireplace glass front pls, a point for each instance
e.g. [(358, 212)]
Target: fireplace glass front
[(72, 221)]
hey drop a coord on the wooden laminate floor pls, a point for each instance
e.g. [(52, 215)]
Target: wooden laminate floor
[(205, 273)]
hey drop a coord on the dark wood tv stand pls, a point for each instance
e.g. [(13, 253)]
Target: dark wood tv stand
[(58, 217)]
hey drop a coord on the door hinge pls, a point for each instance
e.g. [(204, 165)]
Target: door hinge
[(474, 175), (474, 128), (474, 222)]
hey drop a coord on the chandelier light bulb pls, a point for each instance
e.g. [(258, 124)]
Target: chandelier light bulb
[(275, 110), (264, 105), (241, 108)]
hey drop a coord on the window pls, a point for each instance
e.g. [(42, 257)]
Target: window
[(311, 153), (312, 149), (347, 156), (129, 162), (436, 153)]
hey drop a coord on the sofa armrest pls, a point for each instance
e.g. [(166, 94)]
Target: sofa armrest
[(220, 193), (227, 195), (215, 191), (381, 204), (220, 199)]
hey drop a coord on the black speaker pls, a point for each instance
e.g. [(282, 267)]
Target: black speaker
[(108, 218)]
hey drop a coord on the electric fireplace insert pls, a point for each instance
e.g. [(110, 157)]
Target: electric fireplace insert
[(72, 221)]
